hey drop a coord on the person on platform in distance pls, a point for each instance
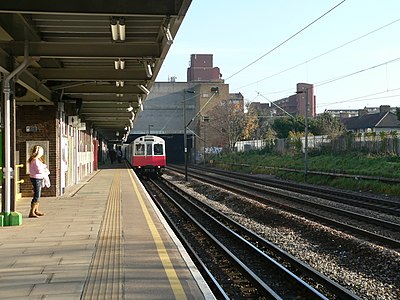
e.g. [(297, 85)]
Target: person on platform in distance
[(38, 171)]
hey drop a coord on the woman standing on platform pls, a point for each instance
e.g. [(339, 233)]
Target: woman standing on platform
[(38, 171)]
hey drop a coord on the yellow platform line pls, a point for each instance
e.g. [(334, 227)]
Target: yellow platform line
[(162, 252)]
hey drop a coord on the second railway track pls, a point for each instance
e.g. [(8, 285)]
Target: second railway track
[(377, 230)]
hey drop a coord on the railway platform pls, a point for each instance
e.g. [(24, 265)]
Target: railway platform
[(103, 239)]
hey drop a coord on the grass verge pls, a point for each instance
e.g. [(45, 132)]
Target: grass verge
[(348, 163)]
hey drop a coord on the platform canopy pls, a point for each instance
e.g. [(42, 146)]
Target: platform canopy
[(101, 56)]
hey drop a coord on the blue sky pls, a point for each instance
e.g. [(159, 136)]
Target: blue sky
[(364, 72)]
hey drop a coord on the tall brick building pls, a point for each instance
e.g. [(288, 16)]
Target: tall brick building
[(201, 69), (294, 104)]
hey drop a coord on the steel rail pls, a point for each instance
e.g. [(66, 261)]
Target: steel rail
[(228, 183), (260, 242), (312, 293), (387, 206)]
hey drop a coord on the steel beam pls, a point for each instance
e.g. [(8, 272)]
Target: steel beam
[(102, 89), (84, 50), (94, 7), (85, 74), (31, 83)]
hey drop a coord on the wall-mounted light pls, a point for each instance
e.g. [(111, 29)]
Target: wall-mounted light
[(168, 34), (119, 64), (129, 108), (114, 29), (119, 95), (147, 67), (144, 89), (118, 29), (139, 99), (117, 133), (121, 28), (119, 83)]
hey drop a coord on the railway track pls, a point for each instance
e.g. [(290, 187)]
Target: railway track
[(374, 229), (388, 206), (237, 262)]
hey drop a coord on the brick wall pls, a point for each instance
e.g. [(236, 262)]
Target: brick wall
[(46, 121)]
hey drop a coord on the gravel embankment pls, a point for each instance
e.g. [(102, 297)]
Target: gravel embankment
[(371, 271)]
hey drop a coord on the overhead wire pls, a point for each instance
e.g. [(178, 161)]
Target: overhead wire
[(285, 41), (355, 73), (363, 98), (327, 81), (320, 55), (176, 109)]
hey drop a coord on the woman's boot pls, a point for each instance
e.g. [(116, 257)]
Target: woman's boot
[(32, 213), (37, 212)]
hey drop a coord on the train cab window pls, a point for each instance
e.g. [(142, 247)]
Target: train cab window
[(158, 149), (149, 149), (139, 149)]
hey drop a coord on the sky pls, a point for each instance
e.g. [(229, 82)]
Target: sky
[(351, 54)]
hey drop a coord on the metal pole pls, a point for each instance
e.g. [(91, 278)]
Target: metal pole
[(8, 168), (185, 127), (185, 136), (205, 144), (306, 138)]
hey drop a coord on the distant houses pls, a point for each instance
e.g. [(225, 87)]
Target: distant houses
[(385, 120)]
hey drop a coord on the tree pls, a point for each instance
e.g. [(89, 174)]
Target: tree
[(327, 124), (269, 137), (228, 121), (282, 126), (251, 125)]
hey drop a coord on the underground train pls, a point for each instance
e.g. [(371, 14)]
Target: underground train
[(147, 155)]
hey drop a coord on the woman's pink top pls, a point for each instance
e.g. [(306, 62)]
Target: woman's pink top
[(37, 169)]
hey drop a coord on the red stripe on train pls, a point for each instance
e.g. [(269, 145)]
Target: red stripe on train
[(141, 161)]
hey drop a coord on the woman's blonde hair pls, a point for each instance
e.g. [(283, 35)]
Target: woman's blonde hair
[(35, 153)]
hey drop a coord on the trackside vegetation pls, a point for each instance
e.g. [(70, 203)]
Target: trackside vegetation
[(291, 167)]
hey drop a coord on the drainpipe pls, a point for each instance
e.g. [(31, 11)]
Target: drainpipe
[(7, 170)]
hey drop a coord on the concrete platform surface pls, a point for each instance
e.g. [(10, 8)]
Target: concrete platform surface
[(102, 239)]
